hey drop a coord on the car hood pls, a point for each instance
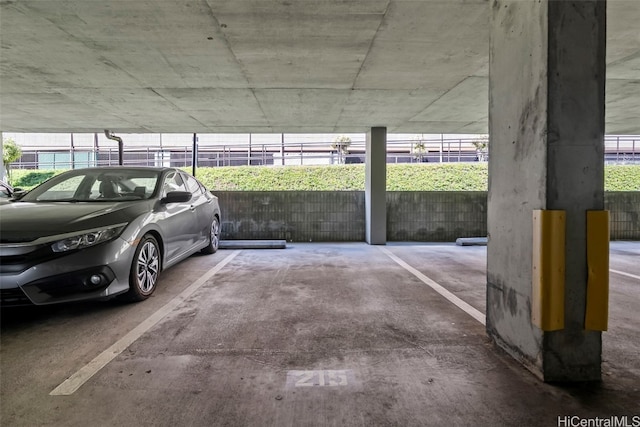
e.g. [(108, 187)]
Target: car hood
[(26, 221)]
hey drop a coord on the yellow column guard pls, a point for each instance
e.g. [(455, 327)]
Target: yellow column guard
[(597, 311), (547, 299)]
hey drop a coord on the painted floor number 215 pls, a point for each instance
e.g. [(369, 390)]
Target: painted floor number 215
[(319, 378)]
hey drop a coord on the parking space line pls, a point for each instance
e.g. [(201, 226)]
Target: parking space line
[(75, 381), (633, 276), (471, 311)]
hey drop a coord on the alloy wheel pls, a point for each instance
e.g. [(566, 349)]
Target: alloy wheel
[(147, 267)]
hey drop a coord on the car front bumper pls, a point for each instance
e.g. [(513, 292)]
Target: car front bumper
[(91, 273)]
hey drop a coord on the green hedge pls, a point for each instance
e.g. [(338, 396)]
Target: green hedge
[(400, 177), (622, 178), (27, 179)]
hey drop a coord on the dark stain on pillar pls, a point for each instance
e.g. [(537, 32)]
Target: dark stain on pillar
[(495, 296), (552, 189), (511, 301), (528, 132), (501, 298), (507, 20)]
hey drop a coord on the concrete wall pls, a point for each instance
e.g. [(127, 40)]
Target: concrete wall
[(298, 216), (437, 216), (624, 214)]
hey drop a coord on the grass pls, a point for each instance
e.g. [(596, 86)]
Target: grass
[(400, 177)]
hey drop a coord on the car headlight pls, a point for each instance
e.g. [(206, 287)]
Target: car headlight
[(88, 238)]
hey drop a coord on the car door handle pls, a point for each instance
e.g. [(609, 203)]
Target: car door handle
[(193, 208)]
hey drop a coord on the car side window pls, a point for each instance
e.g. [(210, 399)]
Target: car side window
[(173, 182), (192, 185)]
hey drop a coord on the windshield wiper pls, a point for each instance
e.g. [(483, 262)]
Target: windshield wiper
[(70, 200)]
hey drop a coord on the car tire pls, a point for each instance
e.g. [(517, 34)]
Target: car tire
[(145, 269), (214, 237)]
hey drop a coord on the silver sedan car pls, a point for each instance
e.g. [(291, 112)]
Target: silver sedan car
[(101, 232)]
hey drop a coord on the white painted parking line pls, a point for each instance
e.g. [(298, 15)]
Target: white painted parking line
[(75, 381), (471, 311), (633, 276)]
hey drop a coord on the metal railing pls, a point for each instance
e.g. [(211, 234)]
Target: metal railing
[(618, 150)]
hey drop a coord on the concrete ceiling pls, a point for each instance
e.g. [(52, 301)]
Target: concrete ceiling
[(261, 66)]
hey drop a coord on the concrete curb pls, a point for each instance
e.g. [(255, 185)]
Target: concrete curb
[(253, 244), (471, 241)]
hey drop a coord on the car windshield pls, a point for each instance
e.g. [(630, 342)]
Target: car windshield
[(96, 185)]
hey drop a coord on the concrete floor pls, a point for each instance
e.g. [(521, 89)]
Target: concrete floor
[(312, 335)]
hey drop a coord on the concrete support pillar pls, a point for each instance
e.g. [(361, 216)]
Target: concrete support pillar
[(546, 124), (376, 186)]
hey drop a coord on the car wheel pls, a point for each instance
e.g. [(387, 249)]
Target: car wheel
[(144, 270), (214, 237)]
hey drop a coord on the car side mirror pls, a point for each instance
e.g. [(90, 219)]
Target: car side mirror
[(18, 193), (176, 197)]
